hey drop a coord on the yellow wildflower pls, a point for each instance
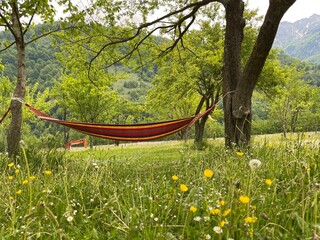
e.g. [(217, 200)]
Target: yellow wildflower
[(193, 209), (222, 223), (47, 172), (25, 182), (226, 212), (10, 178), (32, 177), (208, 173), (11, 164), (183, 188), (11, 198), (19, 192), (175, 178), (244, 199), (215, 211), (239, 153), (268, 182), (249, 220), (17, 171), (220, 203)]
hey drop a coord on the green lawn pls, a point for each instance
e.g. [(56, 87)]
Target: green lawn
[(165, 191)]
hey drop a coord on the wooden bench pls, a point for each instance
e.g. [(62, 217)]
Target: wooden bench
[(76, 142)]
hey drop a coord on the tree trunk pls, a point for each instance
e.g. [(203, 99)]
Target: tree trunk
[(238, 86), (14, 133), (199, 132), (232, 70)]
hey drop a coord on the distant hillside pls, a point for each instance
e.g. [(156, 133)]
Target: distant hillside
[(300, 39)]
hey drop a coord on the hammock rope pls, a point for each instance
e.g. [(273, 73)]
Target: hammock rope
[(132, 132)]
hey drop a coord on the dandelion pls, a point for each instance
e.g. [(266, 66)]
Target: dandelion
[(239, 153), (220, 203), (175, 178), (222, 223), (208, 173), (217, 229), (10, 178), (47, 172), (244, 199), (193, 209), (269, 145), (215, 211), (25, 182), (183, 188), (32, 177), (11, 198), (10, 164), (17, 171), (19, 192), (255, 163), (226, 212), (268, 182), (249, 220)]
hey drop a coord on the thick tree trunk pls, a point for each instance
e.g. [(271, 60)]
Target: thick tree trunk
[(238, 86), (232, 69), (14, 133)]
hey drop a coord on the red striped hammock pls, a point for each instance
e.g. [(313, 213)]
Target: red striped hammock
[(133, 132)]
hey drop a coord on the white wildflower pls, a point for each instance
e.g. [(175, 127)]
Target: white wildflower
[(207, 237), (69, 218), (197, 219), (217, 229)]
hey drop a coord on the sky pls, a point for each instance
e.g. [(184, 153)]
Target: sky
[(300, 9)]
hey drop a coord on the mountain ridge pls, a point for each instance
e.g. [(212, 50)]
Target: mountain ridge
[(300, 39)]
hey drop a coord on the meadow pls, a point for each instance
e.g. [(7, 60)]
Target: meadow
[(164, 191)]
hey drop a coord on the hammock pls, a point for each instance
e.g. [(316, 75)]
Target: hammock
[(133, 132)]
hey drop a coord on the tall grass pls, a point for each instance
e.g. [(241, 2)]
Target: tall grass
[(163, 192)]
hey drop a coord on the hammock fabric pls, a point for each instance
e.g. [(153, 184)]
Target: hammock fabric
[(134, 132)]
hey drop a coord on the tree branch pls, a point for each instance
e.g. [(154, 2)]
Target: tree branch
[(170, 26), (7, 47), (31, 18)]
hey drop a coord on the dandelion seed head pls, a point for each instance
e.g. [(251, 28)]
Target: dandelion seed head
[(255, 164)]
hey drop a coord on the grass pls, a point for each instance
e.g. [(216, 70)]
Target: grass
[(164, 191)]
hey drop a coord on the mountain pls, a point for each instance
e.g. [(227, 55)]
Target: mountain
[(300, 39)]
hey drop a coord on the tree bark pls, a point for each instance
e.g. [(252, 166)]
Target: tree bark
[(14, 133), (232, 69), (238, 86)]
